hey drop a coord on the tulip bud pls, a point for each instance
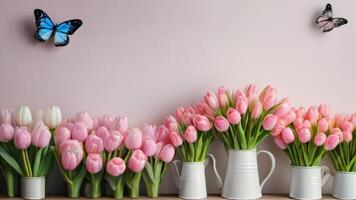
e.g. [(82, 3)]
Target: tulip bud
[(61, 134), (22, 138), (23, 116), (221, 124), (190, 135), (94, 144), (279, 142), (347, 136), (175, 138), (324, 110), (257, 109), (71, 154), (319, 139), (107, 121), (233, 116), (6, 132), (270, 122), (149, 147), (94, 163), (201, 122), (167, 153), (304, 135), (323, 125), (113, 141), (53, 117), (331, 142), (222, 97), (116, 166), (212, 100), (80, 131), (241, 107), (102, 132), (121, 124), (133, 139), (137, 161), (288, 135), (41, 136)]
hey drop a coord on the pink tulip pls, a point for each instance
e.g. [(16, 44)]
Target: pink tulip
[(41, 135), (233, 116), (347, 136), (167, 153), (353, 120), (298, 123), (339, 119), (212, 100), (251, 90), (190, 135), (312, 114), (6, 132), (287, 135), (279, 142), (173, 126), (159, 146), (347, 126), (149, 147), (94, 145), (269, 102), (306, 124), (323, 125), (85, 118), (270, 122), (107, 121), (68, 125), (282, 110), (324, 110), (116, 166), (149, 132), (175, 138), (222, 97), (221, 124), (22, 138), (61, 134), (202, 123), (94, 163), (290, 117), (304, 135), (338, 132), (268, 97), (69, 161), (163, 134), (299, 112), (170, 119), (137, 161), (331, 142), (79, 131), (239, 96), (278, 127), (113, 141), (319, 139), (5, 117), (121, 124), (241, 107), (133, 139), (71, 154), (102, 132), (257, 110)]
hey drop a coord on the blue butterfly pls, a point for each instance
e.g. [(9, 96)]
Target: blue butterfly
[(46, 28)]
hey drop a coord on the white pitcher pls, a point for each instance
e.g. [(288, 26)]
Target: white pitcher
[(344, 185), (306, 182), (191, 180), (241, 177)]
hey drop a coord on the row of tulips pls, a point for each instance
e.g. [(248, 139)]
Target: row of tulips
[(98, 154)]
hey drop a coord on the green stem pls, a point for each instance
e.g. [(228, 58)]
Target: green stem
[(73, 190), (134, 186), (95, 189), (24, 160), (11, 183)]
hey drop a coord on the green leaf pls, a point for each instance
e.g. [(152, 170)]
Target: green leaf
[(11, 161), (149, 172), (36, 164)]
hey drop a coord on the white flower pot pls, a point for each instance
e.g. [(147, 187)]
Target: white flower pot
[(306, 182), (33, 187), (241, 177), (191, 180), (344, 185)]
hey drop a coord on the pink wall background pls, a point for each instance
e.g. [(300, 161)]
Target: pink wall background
[(143, 59)]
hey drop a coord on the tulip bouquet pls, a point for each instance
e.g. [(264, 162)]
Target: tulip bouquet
[(309, 136), (343, 156), (238, 117), (24, 147), (83, 144), (191, 133), (159, 151)]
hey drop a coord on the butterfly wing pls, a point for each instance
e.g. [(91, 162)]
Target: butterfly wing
[(325, 16), (44, 25), (64, 29), (339, 21)]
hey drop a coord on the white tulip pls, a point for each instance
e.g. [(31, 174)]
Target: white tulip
[(53, 117), (5, 117), (23, 116)]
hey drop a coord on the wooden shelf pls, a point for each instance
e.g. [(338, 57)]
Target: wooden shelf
[(212, 197)]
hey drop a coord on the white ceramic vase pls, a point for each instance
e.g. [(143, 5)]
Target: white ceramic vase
[(241, 176), (307, 182), (344, 185), (190, 179), (33, 187)]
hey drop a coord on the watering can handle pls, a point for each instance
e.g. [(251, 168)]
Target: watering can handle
[(177, 178), (325, 175), (273, 166), (218, 178)]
